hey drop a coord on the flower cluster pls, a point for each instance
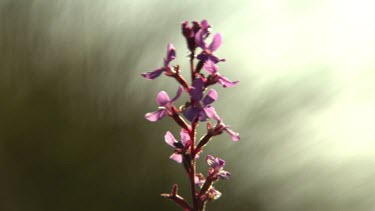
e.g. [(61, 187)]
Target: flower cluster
[(198, 109)]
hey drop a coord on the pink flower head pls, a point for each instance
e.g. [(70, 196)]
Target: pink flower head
[(197, 109), (207, 50), (171, 55), (213, 69), (202, 34), (166, 106), (220, 127), (180, 146), (212, 193), (216, 167), (189, 33)]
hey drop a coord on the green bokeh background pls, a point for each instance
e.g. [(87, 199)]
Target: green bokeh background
[(72, 131)]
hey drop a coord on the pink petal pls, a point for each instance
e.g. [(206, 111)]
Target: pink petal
[(162, 99), (154, 74), (178, 94), (226, 82), (224, 174), (155, 116), (176, 157), (185, 137), (210, 67), (169, 138), (213, 193), (204, 24), (196, 91), (235, 136), (216, 42), (210, 160), (171, 54), (211, 113), (199, 40), (210, 97)]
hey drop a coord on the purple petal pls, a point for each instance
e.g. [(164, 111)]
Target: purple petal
[(211, 113), (210, 160), (210, 67), (204, 24), (178, 94), (185, 137), (176, 157), (162, 99), (155, 116), (210, 97), (226, 82), (169, 138), (199, 179), (199, 39), (216, 42), (214, 58), (171, 54), (202, 115), (197, 89), (154, 74), (235, 136), (191, 113), (220, 162)]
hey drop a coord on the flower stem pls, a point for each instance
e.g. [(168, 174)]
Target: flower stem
[(193, 163), (179, 78), (203, 142), (192, 55)]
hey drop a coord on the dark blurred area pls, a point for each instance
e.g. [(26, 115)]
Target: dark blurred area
[(72, 129)]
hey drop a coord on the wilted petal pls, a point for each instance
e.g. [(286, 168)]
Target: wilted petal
[(154, 74), (211, 113), (197, 89), (178, 94), (226, 82), (185, 137), (162, 99), (155, 116), (210, 97), (216, 42), (235, 136), (191, 113), (210, 67), (176, 157), (169, 138)]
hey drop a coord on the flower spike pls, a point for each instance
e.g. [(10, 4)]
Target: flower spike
[(198, 109)]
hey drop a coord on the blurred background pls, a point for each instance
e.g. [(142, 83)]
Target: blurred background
[(72, 103)]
